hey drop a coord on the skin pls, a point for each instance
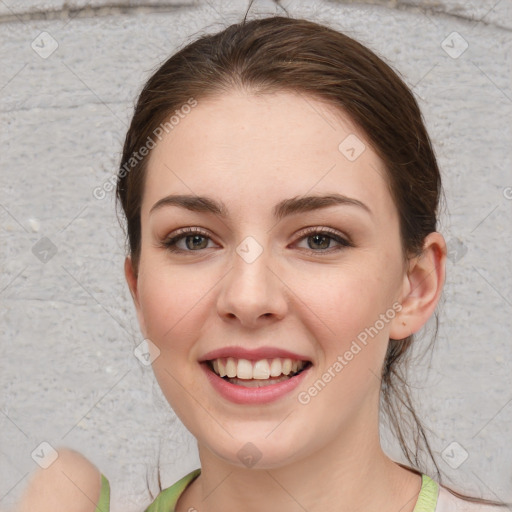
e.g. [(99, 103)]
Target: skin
[(71, 483), (252, 152), (308, 460)]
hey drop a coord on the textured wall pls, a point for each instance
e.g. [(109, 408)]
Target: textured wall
[(70, 73)]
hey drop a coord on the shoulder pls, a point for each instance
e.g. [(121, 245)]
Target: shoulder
[(447, 502), (71, 483)]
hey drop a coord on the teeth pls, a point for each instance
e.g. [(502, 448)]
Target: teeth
[(275, 368), (260, 370), (244, 369), (255, 383), (231, 367), (221, 368)]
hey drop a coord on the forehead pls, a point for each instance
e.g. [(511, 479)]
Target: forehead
[(246, 148)]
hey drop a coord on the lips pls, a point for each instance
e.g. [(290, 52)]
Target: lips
[(261, 364), (253, 354), (254, 391), (255, 376)]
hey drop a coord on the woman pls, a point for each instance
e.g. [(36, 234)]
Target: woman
[(281, 196)]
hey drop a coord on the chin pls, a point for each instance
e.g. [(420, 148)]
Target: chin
[(259, 454)]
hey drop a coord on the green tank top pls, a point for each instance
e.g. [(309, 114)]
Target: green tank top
[(167, 499)]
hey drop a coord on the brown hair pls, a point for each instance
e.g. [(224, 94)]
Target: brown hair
[(277, 54)]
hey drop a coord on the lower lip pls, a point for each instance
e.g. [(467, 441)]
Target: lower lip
[(261, 395)]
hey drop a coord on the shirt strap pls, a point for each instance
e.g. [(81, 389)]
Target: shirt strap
[(427, 499), (167, 499), (103, 504)]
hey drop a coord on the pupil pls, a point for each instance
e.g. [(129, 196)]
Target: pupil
[(195, 239), (325, 238)]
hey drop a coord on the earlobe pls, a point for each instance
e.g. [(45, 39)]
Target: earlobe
[(422, 288)]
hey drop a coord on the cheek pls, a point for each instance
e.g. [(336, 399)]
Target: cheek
[(172, 302), (169, 299), (353, 298), (353, 351), (352, 311)]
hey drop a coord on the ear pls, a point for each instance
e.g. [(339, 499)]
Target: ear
[(132, 280), (422, 288)]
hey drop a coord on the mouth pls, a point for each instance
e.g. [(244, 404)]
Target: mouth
[(260, 373)]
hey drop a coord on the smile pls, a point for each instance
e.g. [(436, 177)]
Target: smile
[(261, 381), (256, 373)]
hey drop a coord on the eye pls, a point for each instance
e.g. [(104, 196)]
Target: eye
[(319, 240), (194, 240)]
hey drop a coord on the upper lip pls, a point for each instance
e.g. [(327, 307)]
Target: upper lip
[(252, 354)]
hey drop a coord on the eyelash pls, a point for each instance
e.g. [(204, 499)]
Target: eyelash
[(170, 243)]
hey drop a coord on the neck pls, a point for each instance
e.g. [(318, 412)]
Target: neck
[(349, 474)]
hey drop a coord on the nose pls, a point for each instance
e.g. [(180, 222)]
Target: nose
[(253, 293)]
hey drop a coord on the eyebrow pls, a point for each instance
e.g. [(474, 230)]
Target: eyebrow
[(282, 209)]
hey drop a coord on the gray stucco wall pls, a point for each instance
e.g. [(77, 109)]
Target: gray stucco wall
[(69, 76)]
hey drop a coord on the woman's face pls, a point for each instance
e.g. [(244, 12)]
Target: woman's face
[(260, 279)]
